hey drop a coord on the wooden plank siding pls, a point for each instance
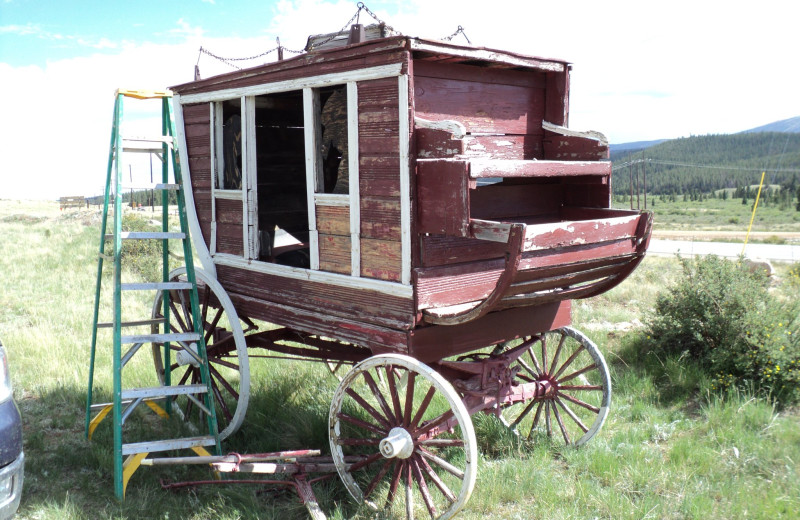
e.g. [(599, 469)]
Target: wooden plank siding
[(508, 104), (333, 226), (379, 182), (197, 128), (364, 305)]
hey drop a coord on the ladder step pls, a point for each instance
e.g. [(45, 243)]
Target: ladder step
[(160, 338), (167, 445), (155, 286), (138, 323), (163, 391), (146, 235)]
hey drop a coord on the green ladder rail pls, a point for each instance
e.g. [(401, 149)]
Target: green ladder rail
[(125, 400)]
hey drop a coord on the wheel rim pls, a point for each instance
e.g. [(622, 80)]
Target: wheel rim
[(576, 406), (225, 347), (390, 442)]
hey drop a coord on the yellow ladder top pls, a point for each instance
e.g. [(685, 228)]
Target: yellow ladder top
[(143, 94)]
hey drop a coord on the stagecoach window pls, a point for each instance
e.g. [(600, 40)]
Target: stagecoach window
[(281, 179), (229, 145), (333, 141)]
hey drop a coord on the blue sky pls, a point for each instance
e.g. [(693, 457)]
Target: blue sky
[(642, 70)]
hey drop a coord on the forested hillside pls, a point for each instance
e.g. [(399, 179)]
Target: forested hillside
[(705, 164)]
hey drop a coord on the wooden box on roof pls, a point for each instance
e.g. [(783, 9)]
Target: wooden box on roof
[(403, 194)]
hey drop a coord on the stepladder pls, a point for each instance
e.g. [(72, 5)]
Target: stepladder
[(162, 313)]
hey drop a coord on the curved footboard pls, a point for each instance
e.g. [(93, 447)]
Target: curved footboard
[(585, 253)]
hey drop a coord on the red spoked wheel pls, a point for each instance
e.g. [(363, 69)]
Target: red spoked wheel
[(403, 443), (576, 405)]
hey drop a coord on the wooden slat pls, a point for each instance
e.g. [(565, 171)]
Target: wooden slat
[(333, 220), (380, 218), (567, 233), (381, 259), (480, 107), (443, 197), (337, 301), (565, 280), (229, 212), (430, 344), (334, 253), (505, 147), (436, 250), (528, 78), (321, 322), (379, 176), (480, 169), (230, 238)]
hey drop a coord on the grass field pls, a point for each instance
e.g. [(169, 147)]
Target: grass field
[(670, 448), (720, 215)]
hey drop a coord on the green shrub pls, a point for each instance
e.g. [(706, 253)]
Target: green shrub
[(141, 256), (794, 275), (727, 320)]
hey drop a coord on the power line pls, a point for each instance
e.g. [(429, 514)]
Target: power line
[(704, 166)]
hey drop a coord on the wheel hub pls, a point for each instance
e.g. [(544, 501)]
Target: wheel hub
[(185, 358), (398, 444)]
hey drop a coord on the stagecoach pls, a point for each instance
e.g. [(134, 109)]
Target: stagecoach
[(418, 215)]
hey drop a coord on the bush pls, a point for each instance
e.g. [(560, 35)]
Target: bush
[(726, 319), (141, 256)]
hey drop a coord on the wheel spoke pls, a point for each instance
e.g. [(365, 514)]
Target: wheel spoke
[(220, 401), (538, 368), (176, 314), (232, 391), (572, 415), (363, 424), (393, 392), (580, 387), (379, 397), (210, 327), (429, 425), (577, 373), (440, 462), (409, 492), (536, 417), (435, 478), (525, 413), (547, 419), (423, 487), (569, 361), (423, 407), (412, 376), (366, 462), (378, 477), (561, 424), (368, 407), (544, 354), (561, 342), (578, 402), (398, 468), (441, 442)]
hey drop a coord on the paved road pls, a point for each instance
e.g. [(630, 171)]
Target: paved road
[(778, 253)]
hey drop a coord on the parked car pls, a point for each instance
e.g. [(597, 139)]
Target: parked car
[(12, 458)]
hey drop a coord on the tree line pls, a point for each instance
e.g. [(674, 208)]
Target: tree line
[(714, 165)]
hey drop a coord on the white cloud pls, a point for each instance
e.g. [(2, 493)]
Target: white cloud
[(640, 72)]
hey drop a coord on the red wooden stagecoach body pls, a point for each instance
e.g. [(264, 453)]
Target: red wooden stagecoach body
[(469, 214)]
